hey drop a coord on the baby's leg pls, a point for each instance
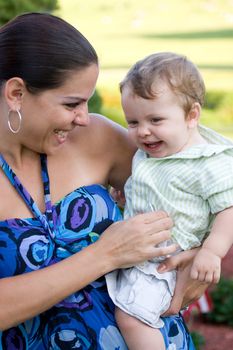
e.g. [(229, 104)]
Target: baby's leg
[(137, 334)]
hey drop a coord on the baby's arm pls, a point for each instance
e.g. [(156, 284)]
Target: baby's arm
[(118, 196), (207, 263)]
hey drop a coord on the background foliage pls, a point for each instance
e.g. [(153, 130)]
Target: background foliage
[(123, 31), (11, 8), (222, 297)]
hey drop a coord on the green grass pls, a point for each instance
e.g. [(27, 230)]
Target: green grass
[(123, 31)]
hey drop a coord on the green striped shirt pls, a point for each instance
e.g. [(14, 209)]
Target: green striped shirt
[(191, 186)]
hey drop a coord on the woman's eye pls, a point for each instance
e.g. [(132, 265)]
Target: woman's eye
[(72, 105)]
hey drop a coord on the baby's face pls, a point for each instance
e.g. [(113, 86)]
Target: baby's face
[(157, 126)]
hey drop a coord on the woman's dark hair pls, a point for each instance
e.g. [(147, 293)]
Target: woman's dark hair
[(42, 49)]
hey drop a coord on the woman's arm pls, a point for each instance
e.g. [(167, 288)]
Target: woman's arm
[(123, 244)]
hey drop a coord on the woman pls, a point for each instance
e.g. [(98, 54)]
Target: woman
[(56, 163)]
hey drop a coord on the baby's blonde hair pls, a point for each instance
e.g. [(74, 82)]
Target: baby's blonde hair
[(181, 75)]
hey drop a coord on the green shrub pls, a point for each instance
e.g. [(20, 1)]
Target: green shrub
[(218, 111), (12, 8), (95, 103), (213, 99), (198, 340), (226, 108), (222, 297), (114, 114)]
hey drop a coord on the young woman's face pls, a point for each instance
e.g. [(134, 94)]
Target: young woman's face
[(50, 116), (157, 126)]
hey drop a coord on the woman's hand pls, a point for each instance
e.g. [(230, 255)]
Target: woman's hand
[(187, 290), (132, 241)]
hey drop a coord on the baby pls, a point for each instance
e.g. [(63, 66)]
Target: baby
[(182, 168)]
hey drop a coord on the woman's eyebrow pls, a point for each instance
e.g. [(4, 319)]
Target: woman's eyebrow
[(74, 98)]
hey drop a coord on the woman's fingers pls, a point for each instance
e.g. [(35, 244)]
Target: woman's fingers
[(137, 239), (153, 223), (154, 217), (154, 229), (166, 251)]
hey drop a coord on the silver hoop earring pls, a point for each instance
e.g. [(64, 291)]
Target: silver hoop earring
[(14, 131)]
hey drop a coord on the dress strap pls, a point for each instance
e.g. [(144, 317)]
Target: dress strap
[(47, 196), (45, 219)]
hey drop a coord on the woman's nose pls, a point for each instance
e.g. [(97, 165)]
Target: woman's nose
[(82, 117)]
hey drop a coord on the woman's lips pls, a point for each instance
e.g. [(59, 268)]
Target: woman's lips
[(61, 135)]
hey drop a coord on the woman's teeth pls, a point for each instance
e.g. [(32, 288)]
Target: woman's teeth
[(60, 133)]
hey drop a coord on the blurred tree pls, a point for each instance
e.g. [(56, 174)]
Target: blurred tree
[(95, 103), (12, 8)]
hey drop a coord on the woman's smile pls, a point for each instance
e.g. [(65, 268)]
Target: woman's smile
[(61, 135)]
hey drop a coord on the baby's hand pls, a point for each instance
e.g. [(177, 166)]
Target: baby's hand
[(118, 197), (206, 266)]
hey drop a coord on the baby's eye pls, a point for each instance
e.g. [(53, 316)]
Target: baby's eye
[(155, 120), (132, 123)]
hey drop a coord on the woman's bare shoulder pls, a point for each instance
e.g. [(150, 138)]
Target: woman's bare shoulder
[(103, 124), (99, 127), (111, 133), (107, 142), (117, 147)]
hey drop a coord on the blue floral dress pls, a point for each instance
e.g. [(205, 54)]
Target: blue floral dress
[(84, 320)]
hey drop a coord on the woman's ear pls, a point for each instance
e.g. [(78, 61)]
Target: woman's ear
[(13, 92), (194, 115)]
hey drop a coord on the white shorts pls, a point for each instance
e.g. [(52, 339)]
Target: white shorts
[(142, 292)]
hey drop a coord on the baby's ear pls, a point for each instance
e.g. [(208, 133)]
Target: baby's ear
[(194, 115)]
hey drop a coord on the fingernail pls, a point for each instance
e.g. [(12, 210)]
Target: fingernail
[(161, 268)]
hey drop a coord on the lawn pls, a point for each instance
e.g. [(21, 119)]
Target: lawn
[(123, 31)]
